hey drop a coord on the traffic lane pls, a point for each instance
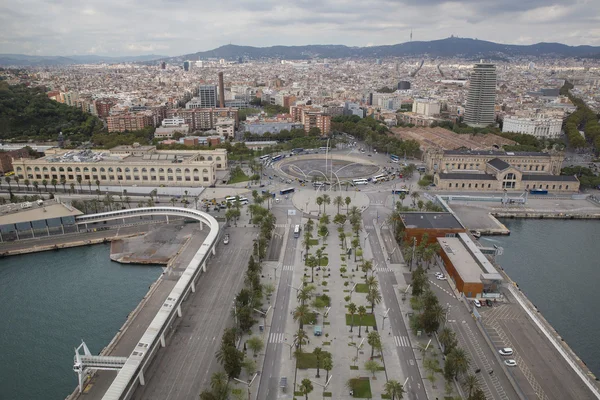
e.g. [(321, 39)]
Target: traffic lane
[(185, 366), (411, 370), (269, 380), (556, 377)]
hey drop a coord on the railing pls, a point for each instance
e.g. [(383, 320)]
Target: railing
[(132, 371)]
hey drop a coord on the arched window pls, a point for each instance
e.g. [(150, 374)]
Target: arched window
[(119, 169), (102, 169), (110, 169), (143, 170), (169, 171), (187, 171), (94, 169), (161, 170), (127, 170), (210, 158), (69, 169), (196, 171), (19, 169), (77, 169), (152, 170), (45, 169), (202, 158), (178, 171), (205, 171), (218, 158), (60, 169), (37, 169), (86, 169)]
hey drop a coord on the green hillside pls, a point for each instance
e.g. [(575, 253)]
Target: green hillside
[(27, 113)]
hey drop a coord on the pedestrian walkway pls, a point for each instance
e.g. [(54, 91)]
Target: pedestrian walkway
[(402, 341)]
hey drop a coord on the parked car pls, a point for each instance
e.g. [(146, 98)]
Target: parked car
[(477, 303), (489, 302), (440, 277), (507, 351), (510, 363)]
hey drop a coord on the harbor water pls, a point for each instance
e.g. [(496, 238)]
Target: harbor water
[(49, 302), (555, 264)]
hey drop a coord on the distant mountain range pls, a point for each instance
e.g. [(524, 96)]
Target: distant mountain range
[(449, 47), (23, 60)]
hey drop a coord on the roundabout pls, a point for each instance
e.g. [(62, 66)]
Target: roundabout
[(332, 168)]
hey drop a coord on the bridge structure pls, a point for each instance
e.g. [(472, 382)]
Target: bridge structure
[(132, 368)]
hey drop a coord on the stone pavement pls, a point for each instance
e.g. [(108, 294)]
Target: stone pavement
[(304, 199)]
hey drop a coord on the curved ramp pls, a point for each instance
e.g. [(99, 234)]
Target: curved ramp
[(132, 371)]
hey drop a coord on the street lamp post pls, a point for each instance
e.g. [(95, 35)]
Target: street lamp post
[(384, 318), (412, 261), (249, 383), (323, 386), (365, 241), (264, 314)]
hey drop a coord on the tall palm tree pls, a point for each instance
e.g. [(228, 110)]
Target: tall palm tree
[(362, 312), (45, 183), (27, 183), (63, 182), (300, 338), (54, 182), (447, 339), (79, 180), (326, 200), (374, 341), (352, 311), (374, 297), (415, 196), (471, 383), (366, 266), (394, 389), (311, 262), (36, 186), (305, 293), (327, 365), (7, 179), (219, 383), (319, 201), (310, 225), (318, 353), (460, 359), (72, 186), (306, 241), (17, 182), (98, 184), (338, 201), (347, 200), (303, 315), (306, 387)]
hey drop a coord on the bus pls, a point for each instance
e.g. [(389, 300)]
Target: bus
[(538, 191), (286, 191), (277, 158), (243, 201), (264, 158), (359, 182), (380, 177), (297, 231), (394, 158), (401, 191)]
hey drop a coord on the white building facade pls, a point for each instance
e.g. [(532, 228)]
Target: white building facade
[(539, 127)]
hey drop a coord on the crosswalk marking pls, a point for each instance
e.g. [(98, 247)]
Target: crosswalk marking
[(368, 227), (382, 269), (401, 341), (282, 225), (276, 337), (288, 268)]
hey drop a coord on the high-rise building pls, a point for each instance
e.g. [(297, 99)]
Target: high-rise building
[(186, 65), (208, 96), (163, 65), (479, 111), (403, 85)]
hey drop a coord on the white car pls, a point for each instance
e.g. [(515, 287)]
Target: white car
[(507, 351), (226, 239), (439, 274), (510, 363), (440, 277), (477, 303)]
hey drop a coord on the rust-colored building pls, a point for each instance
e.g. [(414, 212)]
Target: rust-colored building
[(473, 274), (103, 107), (129, 121), (434, 224), (6, 158)]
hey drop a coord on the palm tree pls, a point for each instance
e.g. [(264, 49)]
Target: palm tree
[(366, 266), (318, 353), (310, 225), (319, 254), (323, 232), (90, 186), (342, 237), (72, 186), (303, 315), (128, 201), (36, 186), (324, 220), (373, 297), (371, 282), (362, 312), (374, 341), (394, 389), (326, 200), (306, 387), (27, 183), (306, 240), (268, 197), (352, 311), (460, 360), (447, 339), (219, 384), (98, 183), (17, 182), (79, 180), (173, 200), (305, 293), (415, 196), (45, 183), (311, 262), (54, 182), (7, 179), (347, 200), (471, 383), (327, 365), (338, 201), (63, 182), (319, 202), (355, 243), (300, 338)]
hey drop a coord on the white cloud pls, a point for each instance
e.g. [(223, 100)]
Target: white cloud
[(177, 27)]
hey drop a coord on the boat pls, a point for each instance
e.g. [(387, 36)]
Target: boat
[(476, 234)]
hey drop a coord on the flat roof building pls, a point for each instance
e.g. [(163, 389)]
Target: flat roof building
[(473, 274), (434, 224)]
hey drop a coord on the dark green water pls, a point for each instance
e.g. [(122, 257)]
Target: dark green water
[(49, 302), (556, 265)]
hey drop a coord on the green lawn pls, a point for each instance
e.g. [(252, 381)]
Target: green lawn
[(362, 388), (361, 288), (309, 360), (367, 320), (324, 261), (313, 242), (237, 178)]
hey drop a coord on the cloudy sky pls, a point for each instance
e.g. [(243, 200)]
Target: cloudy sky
[(176, 27)]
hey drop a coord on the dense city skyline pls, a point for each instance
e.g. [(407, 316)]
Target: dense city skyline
[(180, 27)]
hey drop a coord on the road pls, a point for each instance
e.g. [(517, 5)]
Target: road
[(387, 280), (270, 376), (183, 369)]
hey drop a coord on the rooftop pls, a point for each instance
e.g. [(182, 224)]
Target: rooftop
[(467, 175), (470, 263), (430, 220), (499, 164), (496, 153), (14, 214), (550, 178)]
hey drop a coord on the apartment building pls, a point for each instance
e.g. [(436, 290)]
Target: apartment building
[(541, 127), (130, 121), (203, 119), (311, 117)]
